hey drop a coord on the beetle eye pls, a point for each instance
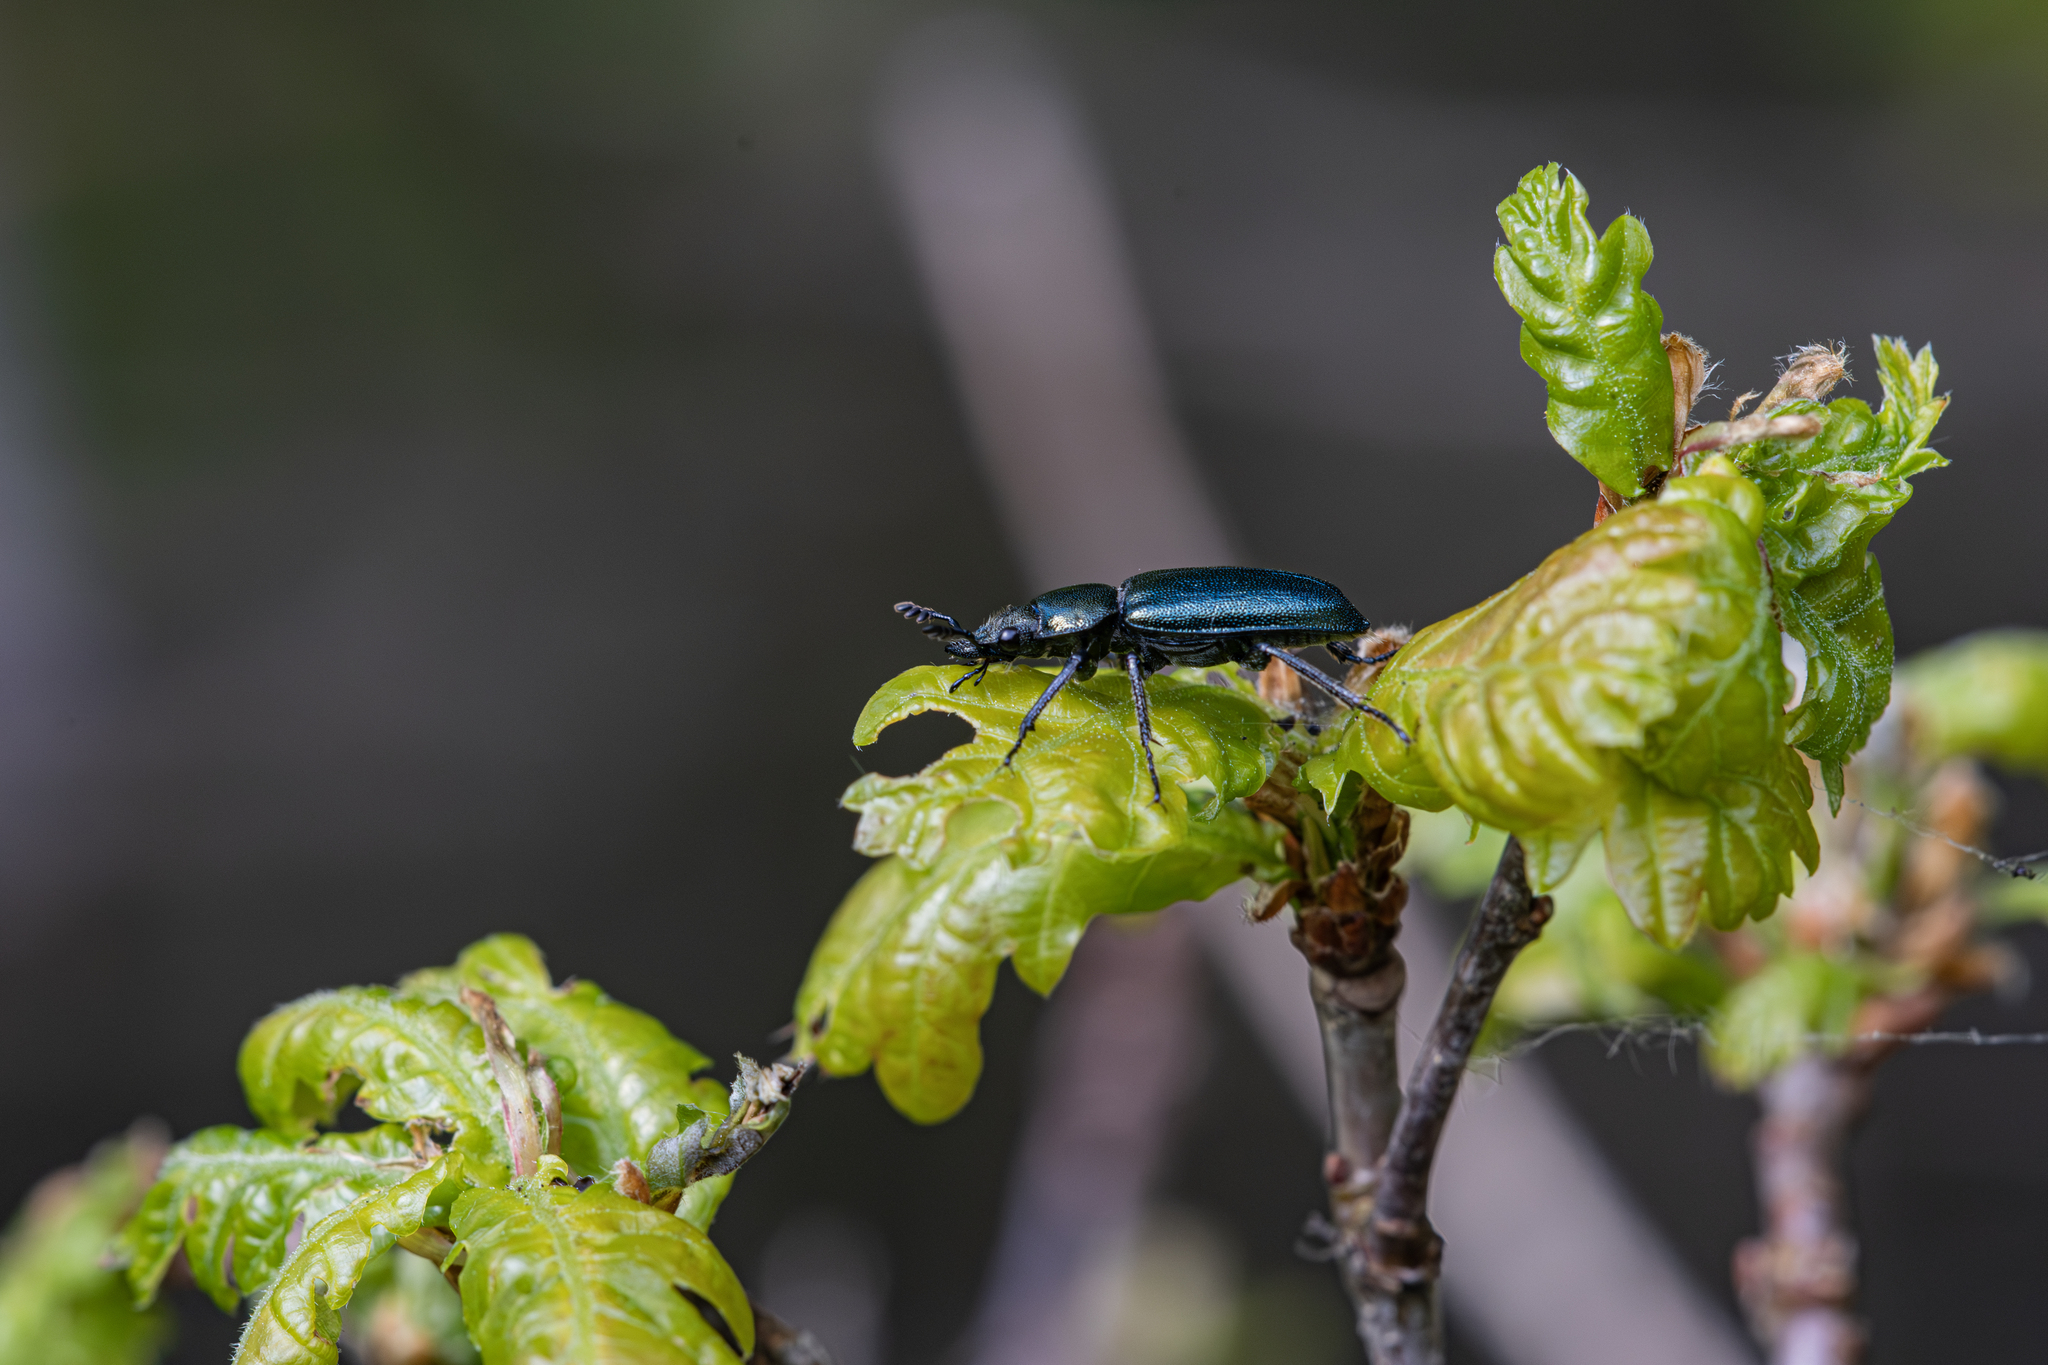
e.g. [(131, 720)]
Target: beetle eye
[(1007, 635)]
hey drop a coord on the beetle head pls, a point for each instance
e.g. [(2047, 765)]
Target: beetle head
[(1003, 636)]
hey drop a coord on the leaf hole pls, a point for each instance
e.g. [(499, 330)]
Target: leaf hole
[(915, 742), (715, 1318)]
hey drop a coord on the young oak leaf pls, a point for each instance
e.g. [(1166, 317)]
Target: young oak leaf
[(553, 1274), (1985, 696), (229, 1197), (298, 1319), (907, 966), (1592, 963), (1826, 496), (1588, 328), (409, 1058), (620, 1072), (1082, 771), (1631, 683)]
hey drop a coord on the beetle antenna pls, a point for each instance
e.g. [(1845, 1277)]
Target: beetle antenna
[(929, 620)]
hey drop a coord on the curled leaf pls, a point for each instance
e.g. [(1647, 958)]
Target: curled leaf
[(1631, 683), (1827, 493), (551, 1273), (405, 1058), (1588, 328), (229, 1197), (298, 1319)]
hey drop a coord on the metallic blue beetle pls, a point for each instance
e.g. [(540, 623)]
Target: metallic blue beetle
[(1164, 619)]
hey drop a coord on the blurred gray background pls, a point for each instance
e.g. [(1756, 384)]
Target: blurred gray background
[(456, 461)]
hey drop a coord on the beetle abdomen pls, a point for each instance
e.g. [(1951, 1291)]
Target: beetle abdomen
[(1063, 611), (1234, 601)]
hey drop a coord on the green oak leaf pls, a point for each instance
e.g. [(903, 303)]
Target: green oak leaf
[(1082, 772), (407, 1058), (1727, 848), (1631, 683), (1779, 1013), (1826, 495), (907, 966), (60, 1304), (1591, 963), (553, 1274), (1985, 696), (298, 1319), (229, 1197), (625, 1073), (1588, 328)]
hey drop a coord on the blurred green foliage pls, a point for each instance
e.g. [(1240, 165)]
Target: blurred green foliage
[(61, 1302)]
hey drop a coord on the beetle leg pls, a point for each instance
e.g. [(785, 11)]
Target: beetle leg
[(1335, 689), (970, 673), (1135, 666), (1351, 656), (1066, 676)]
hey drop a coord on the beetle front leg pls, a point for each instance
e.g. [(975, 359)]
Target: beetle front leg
[(970, 675), (1351, 656), (1066, 676), (1335, 689), (1135, 666)]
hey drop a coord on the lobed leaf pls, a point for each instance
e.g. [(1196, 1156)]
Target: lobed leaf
[(298, 1319), (408, 1058), (1632, 683), (1588, 328), (1780, 1013), (229, 1198), (907, 966), (1592, 963), (553, 1274), (60, 1304), (625, 1073), (1081, 774), (1827, 495), (1985, 696)]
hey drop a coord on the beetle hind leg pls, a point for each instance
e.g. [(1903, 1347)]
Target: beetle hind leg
[(1335, 689), (1143, 702)]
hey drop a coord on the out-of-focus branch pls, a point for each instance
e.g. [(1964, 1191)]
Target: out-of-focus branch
[(778, 1343), (1797, 1281)]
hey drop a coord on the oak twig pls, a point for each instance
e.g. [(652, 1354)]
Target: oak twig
[(1382, 1147), (1402, 1253)]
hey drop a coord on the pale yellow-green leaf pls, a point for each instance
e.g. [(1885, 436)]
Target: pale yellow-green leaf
[(551, 1274)]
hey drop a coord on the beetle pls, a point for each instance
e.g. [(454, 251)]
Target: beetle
[(1165, 618)]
